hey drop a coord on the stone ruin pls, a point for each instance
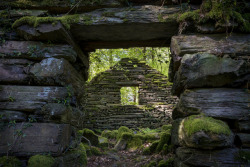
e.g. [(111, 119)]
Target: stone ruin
[(103, 97), (44, 64)]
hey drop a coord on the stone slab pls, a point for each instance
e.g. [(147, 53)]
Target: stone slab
[(9, 93), (26, 139), (37, 50), (221, 103)]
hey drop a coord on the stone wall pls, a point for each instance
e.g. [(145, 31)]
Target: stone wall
[(103, 97), (211, 75), (41, 86)]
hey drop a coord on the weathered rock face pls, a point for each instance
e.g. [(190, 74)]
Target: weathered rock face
[(207, 70), (34, 138), (189, 157), (235, 46), (221, 103)]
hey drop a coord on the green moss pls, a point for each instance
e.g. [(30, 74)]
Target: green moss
[(122, 130), (95, 151), (166, 127), (166, 163), (151, 149), (189, 16), (41, 161), (135, 142), (151, 164), (90, 135), (66, 20), (164, 139), (196, 123), (219, 13), (103, 142), (79, 155), (10, 161)]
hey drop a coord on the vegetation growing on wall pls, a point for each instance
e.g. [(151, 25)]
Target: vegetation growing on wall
[(226, 13)]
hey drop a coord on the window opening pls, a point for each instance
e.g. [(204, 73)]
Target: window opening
[(129, 95)]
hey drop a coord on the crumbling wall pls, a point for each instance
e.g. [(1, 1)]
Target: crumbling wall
[(103, 98)]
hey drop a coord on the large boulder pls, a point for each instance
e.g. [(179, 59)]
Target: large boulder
[(25, 139), (189, 157), (202, 132), (235, 45), (207, 70), (221, 103)]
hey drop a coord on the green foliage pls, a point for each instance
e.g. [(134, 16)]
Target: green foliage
[(196, 123), (10, 161), (102, 59), (129, 96), (41, 161)]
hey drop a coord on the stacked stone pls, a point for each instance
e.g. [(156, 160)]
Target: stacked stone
[(39, 94), (103, 97), (211, 76)]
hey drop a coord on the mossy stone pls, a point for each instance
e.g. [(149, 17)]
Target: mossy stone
[(196, 123), (10, 161), (164, 139), (41, 161), (122, 130), (151, 149), (166, 127), (76, 156), (90, 135)]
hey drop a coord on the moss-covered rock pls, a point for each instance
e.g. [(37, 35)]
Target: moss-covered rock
[(165, 139), (122, 130), (10, 161), (41, 161), (75, 157), (90, 135), (196, 123), (166, 127), (151, 149), (219, 14), (110, 134), (199, 131)]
